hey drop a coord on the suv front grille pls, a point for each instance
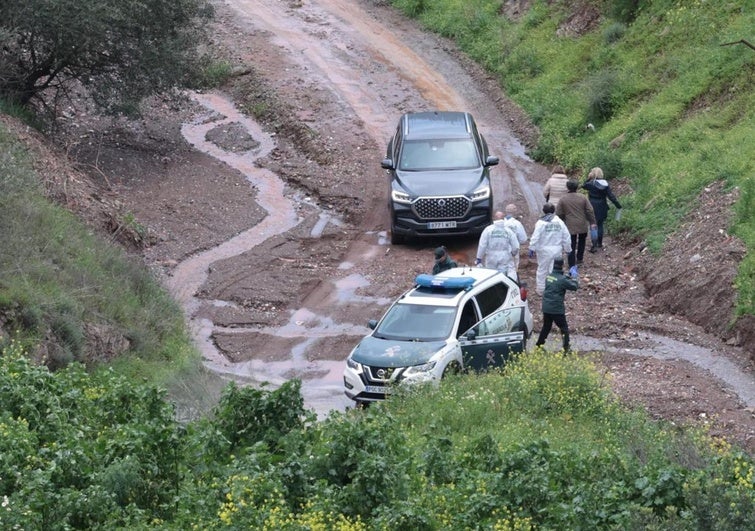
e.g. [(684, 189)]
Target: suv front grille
[(379, 374), (441, 207)]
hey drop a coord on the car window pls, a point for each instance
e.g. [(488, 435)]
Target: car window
[(422, 155), (416, 322), (396, 143), (492, 298), (500, 322), (468, 317)]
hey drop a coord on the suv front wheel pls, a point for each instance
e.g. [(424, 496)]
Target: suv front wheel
[(397, 239)]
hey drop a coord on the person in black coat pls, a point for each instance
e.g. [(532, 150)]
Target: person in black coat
[(599, 193)]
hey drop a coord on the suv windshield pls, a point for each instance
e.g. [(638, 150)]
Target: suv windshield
[(447, 154), (416, 322)]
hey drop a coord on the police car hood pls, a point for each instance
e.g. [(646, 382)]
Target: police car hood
[(440, 182), (377, 352)]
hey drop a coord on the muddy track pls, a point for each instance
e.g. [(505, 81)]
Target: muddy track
[(289, 297)]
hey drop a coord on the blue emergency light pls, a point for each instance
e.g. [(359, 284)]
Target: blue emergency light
[(432, 281)]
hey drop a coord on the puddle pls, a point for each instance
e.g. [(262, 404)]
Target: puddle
[(346, 291), (322, 383)]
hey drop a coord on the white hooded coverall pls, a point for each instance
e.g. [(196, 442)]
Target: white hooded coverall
[(497, 248), (549, 239), (517, 228)]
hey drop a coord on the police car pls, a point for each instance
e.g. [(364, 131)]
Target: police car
[(463, 319)]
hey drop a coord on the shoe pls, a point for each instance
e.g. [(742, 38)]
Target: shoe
[(580, 262), (593, 250)]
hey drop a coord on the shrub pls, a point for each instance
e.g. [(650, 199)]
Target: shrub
[(246, 415), (363, 460), (411, 8), (601, 88), (614, 32), (625, 10), (132, 48)]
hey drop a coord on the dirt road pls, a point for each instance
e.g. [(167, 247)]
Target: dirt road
[(274, 239)]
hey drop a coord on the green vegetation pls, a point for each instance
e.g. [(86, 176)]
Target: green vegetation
[(120, 50), (541, 445), (673, 109), (65, 291)]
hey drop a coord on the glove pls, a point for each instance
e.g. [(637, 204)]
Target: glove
[(531, 254), (573, 271), (478, 262), (594, 234)]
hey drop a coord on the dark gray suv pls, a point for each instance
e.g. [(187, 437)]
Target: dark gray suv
[(440, 185)]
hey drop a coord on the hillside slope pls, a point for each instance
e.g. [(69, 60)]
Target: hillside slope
[(660, 95)]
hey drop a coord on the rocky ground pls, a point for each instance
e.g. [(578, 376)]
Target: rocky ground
[(144, 182)]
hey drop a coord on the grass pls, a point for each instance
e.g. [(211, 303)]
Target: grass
[(571, 455), (540, 444), (673, 108), (59, 281)]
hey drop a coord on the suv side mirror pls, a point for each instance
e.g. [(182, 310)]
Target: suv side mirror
[(372, 323), (388, 164), (492, 161)]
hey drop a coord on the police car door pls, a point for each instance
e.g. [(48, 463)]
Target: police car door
[(493, 340)]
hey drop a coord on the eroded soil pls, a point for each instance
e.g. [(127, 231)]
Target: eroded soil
[(328, 80)]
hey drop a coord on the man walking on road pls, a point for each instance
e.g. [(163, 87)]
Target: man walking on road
[(554, 309), (549, 240), (498, 246), (515, 226)]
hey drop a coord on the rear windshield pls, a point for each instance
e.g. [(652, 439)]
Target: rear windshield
[(448, 154)]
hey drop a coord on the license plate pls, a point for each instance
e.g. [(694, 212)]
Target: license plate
[(377, 389), (441, 225)]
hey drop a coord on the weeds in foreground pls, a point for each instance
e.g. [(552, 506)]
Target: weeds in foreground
[(540, 444)]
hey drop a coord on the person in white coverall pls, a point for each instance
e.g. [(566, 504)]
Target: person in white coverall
[(549, 240), (517, 228), (498, 246)]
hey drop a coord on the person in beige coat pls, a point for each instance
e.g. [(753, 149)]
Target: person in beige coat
[(577, 212), (555, 187)]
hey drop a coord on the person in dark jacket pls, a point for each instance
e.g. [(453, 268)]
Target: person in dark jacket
[(442, 261), (599, 193), (554, 309), (577, 213)]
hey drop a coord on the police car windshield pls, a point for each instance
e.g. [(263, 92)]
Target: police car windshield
[(416, 322)]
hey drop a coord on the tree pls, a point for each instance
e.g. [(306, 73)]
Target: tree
[(120, 50)]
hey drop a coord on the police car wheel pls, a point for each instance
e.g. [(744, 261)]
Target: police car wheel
[(451, 368)]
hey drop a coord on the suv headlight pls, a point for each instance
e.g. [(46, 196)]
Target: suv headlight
[(400, 197), (420, 369), (481, 193), (351, 364)]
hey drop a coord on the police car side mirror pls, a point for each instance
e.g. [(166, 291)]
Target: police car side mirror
[(471, 334)]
